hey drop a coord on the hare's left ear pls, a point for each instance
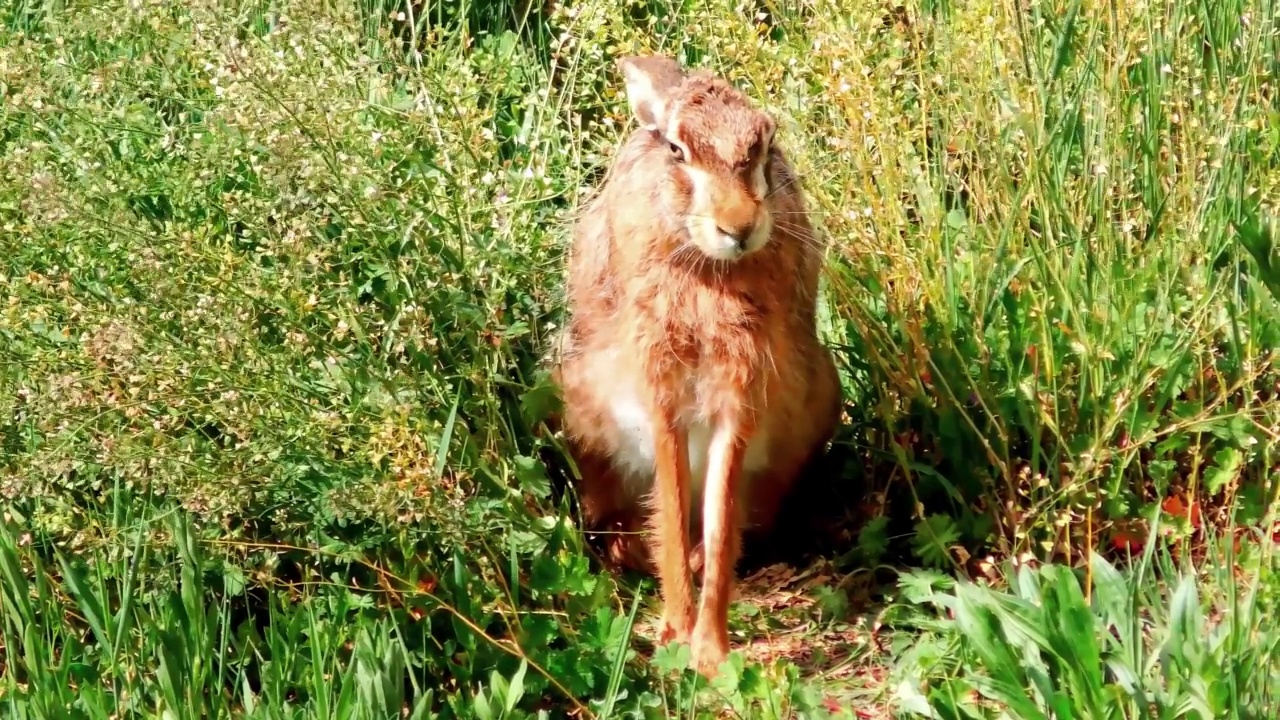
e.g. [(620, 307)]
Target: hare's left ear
[(649, 80)]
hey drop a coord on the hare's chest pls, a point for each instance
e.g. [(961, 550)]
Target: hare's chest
[(637, 434), (696, 324)]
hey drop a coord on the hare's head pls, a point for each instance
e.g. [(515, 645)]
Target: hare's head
[(717, 152)]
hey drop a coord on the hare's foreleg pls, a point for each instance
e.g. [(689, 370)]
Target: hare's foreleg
[(721, 541), (670, 530)]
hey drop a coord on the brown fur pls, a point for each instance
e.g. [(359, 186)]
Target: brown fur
[(729, 343)]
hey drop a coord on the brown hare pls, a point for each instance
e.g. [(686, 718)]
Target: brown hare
[(690, 367)]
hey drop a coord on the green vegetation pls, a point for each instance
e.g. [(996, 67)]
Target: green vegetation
[(276, 280)]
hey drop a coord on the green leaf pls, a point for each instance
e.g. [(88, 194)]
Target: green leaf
[(873, 538), (540, 402), (515, 689), (87, 600), (933, 539), (911, 700), (1161, 471), (247, 698), (1112, 595), (1255, 235), (672, 657), (919, 586), (13, 582), (532, 476), (1237, 429), (480, 705), (442, 452), (620, 648), (233, 580), (1226, 468), (1073, 634), (423, 705)]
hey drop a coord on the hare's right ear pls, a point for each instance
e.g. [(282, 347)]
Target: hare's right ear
[(649, 80)]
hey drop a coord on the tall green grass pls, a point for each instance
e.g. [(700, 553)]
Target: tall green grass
[(277, 275), (1055, 319), (163, 642)]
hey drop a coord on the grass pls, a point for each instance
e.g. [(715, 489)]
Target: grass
[(278, 273)]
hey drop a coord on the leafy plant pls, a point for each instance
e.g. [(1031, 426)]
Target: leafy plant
[(1129, 649)]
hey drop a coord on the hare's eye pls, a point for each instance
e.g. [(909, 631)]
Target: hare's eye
[(676, 152)]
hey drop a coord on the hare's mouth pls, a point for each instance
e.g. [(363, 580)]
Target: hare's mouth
[(717, 243), (726, 246)]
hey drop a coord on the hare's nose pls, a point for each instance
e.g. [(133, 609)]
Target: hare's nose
[(738, 234)]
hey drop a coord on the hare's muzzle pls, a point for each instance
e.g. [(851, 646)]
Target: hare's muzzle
[(733, 241), (726, 221)]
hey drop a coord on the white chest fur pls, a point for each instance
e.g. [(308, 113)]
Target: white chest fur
[(634, 454)]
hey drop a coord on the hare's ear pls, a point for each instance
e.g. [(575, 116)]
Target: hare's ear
[(649, 80)]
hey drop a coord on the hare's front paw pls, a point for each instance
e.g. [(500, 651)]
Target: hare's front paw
[(710, 648), (675, 628)]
